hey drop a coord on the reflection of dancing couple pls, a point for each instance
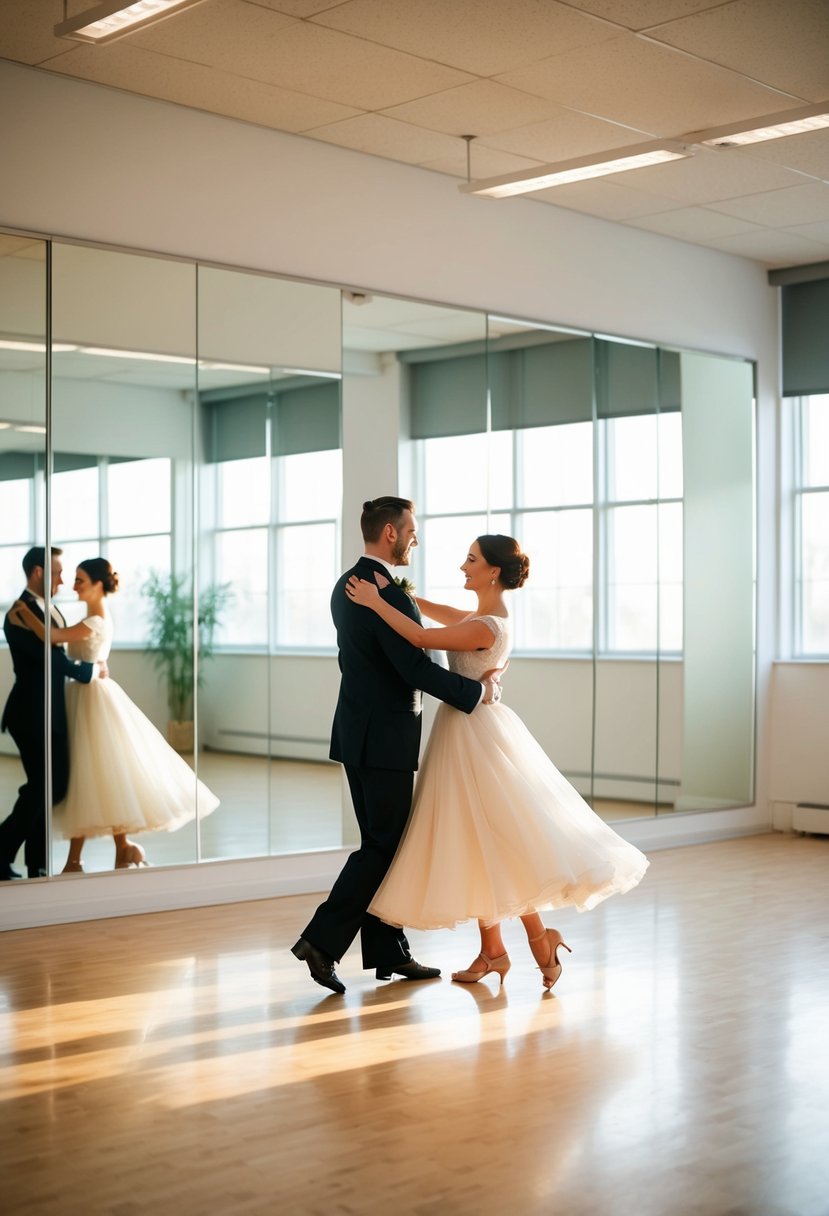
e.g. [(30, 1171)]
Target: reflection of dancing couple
[(495, 830), (112, 772)]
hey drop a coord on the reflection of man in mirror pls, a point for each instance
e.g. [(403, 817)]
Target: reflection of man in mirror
[(376, 737), (25, 714)]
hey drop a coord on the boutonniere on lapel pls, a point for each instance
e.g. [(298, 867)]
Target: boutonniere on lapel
[(406, 584)]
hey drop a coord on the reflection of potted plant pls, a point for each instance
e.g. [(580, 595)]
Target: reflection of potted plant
[(170, 644)]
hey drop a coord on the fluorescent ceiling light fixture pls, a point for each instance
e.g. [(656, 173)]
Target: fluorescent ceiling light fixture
[(33, 430), (34, 347), (114, 18), (4, 426), (767, 126), (635, 156)]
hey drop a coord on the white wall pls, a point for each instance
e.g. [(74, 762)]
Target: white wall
[(82, 161), (798, 753)]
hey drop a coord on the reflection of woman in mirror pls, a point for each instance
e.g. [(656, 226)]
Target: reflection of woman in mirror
[(124, 776), (496, 831)]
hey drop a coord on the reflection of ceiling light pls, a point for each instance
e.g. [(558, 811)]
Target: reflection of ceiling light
[(33, 430), (769, 126), (135, 354), (208, 366), (4, 426), (304, 371), (113, 18), (35, 347), (636, 156), (533, 325)]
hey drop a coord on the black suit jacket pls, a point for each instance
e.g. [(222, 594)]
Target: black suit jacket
[(25, 707), (377, 722)]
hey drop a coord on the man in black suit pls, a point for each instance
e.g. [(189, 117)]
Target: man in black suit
[(25, 718), (376, 736)]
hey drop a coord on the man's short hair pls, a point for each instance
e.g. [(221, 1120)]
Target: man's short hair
[(37, 557), (378, 512)]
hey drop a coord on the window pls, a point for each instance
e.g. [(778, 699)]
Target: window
[(121, 510), (16, 527), (811, 523), (271, 500)]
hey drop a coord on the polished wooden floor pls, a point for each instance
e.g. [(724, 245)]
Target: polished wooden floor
[(184, 1063)]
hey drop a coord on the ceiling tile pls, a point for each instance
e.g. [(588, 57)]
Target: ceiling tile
[(203, 88), (693, 224), (480, 36), (480, 108), (27, 30), (708, 177), (485, 162), (263, 45), (604, 198), (381, 136), (812, 232), (781, 208), (220, 33), (568, 134), (771, 248), (297, 8), (646, 86), (808, 153), (784, 44), (639, 14)]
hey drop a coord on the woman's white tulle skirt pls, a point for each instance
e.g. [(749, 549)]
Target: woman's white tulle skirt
[(496, 831), (123, 775)]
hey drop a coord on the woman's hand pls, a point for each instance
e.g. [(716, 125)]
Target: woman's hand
[(16, 615), (362, 592)]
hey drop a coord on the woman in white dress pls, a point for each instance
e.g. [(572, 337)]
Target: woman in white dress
[(496, 831), (123, 775)]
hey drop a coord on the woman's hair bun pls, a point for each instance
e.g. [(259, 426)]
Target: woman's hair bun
[(505, 552)]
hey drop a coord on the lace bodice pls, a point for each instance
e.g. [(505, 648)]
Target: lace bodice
[(97, 644), (474, 663)]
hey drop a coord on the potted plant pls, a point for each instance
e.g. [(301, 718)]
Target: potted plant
[(170, 644)]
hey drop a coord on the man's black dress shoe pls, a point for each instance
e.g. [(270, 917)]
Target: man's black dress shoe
[(410, 970), (6, 872), (319, 964)]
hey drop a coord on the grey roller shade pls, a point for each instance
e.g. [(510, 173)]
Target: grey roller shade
[(805, 309)]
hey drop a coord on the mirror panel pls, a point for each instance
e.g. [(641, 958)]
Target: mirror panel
[(23, 391), (270, 501), (122, 486), (541, 389), (627, 578), (718, 472)]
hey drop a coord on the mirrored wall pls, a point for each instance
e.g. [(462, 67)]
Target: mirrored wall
[(213, 434)]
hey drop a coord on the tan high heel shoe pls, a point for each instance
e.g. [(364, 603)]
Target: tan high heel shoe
[(501, 964), (552, 971), (131, 858)]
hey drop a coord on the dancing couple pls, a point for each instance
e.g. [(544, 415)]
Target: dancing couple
[(495, 830), (113, 773)]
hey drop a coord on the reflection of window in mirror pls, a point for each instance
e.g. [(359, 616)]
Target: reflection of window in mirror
[(641, 535), (811, 522), (278, 513), (120, 509)]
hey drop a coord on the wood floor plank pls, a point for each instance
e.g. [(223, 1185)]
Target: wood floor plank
[(184, 1063)]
